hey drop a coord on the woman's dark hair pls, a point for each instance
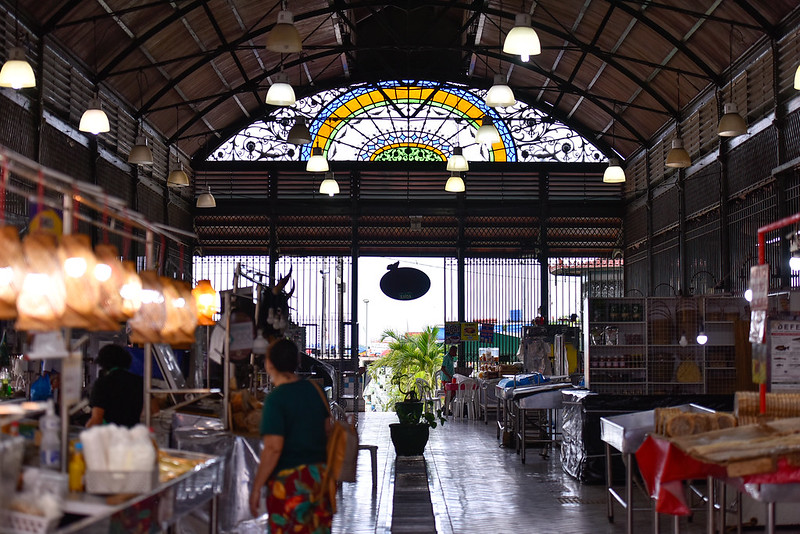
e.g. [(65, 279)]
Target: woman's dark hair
[(284, 356), (112, 356)]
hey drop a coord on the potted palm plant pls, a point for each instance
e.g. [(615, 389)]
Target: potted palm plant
[(414, 360)]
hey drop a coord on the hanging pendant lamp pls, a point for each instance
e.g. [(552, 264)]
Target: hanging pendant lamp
[(797, 78), (677, 157), (94, 119), (487, 134), (178, 177), (522, 40), (614, 174), (457, 161), (207, 200), (731, 124), (283, 37), (329, 185), (299, 134), (317, 161), (17, 72), (455, 184), (140, 153), (500, 94), (280, 92)]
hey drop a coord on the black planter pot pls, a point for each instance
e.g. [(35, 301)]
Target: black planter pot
[(409, 440), (408, 412)]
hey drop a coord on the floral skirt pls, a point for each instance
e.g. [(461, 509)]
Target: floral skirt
[(290, 504)]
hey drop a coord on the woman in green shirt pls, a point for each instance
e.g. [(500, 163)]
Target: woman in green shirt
[(294, 425)]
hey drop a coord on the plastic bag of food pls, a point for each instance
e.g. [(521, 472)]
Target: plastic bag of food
[(12, 271), (147, 324), (42, 300), (83, 289)]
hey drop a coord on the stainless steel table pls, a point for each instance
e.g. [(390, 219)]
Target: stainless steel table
[(543, 401)]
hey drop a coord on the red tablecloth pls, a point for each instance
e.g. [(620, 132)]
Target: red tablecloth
[(664, 467), (452, 386)]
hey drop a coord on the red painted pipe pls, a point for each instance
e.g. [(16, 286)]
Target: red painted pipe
[(762, 259)]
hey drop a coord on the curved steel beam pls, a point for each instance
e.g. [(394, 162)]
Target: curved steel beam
[(470, 7)]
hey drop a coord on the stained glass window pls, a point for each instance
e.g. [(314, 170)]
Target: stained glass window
[(407, 121)]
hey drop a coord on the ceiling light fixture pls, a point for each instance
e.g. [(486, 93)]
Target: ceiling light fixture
[(731, 124), (455, 184), (500, 94), (329, 185), (280, 92), (677, 157), (614, 174), (457, 161), (94, 119), (487, 134), (178, 177), (207, 200), (299, 134), (797, 78), (283, 37), (17, 73), (522, 40), (317, 161), (140, 153)]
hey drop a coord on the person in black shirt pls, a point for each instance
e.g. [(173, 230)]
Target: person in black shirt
[(117, 394)]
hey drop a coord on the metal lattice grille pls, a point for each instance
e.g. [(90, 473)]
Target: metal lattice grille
[(665, 214), (701, 190), (791, 134), (745, 217), (635, 223), (703, 253), (666, 264), (750, 163)]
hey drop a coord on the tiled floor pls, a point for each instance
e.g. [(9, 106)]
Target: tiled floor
[(478, 487)]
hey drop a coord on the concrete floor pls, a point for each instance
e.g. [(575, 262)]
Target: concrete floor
[(478, 487)]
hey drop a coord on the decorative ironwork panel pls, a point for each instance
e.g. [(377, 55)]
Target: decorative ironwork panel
[(407, 121), (751, 163)]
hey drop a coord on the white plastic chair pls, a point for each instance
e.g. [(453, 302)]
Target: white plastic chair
[(466, 402)]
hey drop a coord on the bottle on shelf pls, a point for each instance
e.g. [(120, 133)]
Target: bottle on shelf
[(77, 468), (50, 446)]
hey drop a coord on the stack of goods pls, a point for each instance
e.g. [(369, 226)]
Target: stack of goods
[(118, 459), (488, 366), (38, 507), (170, 466), (676, 422), (779, 406), (245, 412)]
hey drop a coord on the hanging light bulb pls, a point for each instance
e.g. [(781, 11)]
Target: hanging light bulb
[(178, 177), (206, 300), (457, 161), (17, 72), (94, 119), (702, 338), (283, 37), (677, 157), (317, 161), (280, 92), (614, 174), (140, 153), (329, 185), (299, 134), (522, 40), (500, 94), (487, 134), (455, 184), (797, 78), (207, 200), (748, 295), (731, 124)]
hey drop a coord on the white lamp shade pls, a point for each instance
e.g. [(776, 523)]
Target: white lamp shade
[(283, 37), (797, 78), (522, 40), (500, 95), (178, 178), (94, 119), (17, 72), (487, 134), (329, 185), (299, 134), (317, 162), (457, 161), (280, 92), (677, 157), (455, 184), (141, 153), (207, 200), (731, 124), (614, 173)]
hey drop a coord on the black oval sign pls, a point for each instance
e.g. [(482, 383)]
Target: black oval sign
[(405, 283)]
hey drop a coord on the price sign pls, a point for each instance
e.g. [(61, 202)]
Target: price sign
[(759, 285)]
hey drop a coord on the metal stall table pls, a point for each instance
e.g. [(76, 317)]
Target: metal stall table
[(625, 433), (542, 401), (164, 504)]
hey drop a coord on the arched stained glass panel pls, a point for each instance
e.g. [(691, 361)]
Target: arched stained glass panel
[(407, 121)]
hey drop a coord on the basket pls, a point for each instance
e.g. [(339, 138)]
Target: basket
[(108, 482), (18, 523)]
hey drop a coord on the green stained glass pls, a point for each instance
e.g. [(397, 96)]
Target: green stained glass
[(408, 153)]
